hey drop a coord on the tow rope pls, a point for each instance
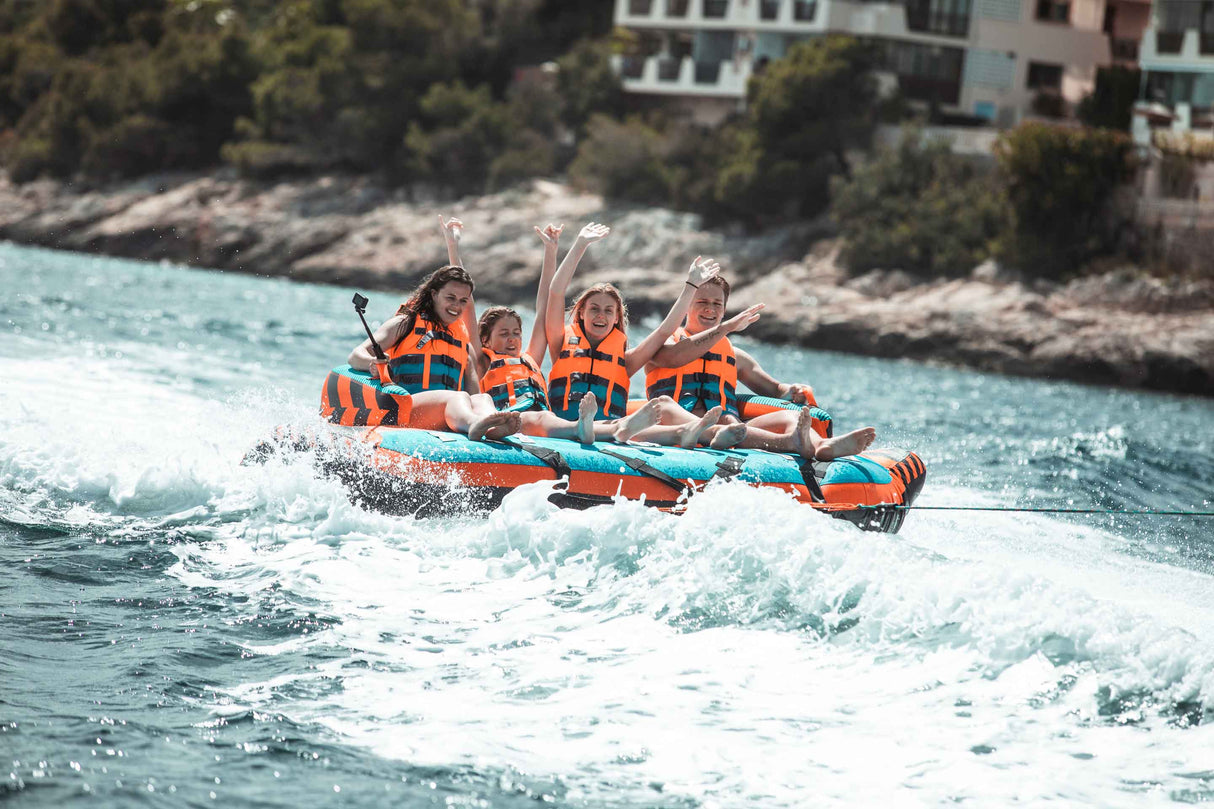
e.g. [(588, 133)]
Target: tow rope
[(1042, 510)]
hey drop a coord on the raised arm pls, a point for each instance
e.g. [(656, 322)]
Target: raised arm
[(752, 375), (700, 271), (550, 236), (452, 230), (554, 310), (676, 355), (472, 379)]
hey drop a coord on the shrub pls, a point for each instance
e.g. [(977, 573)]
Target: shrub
[(1061, 184), (920, 208), (623, 160), (1111, 104), (129, 147), (267, 160)]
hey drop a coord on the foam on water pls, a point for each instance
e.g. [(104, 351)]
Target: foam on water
[(620, 647)]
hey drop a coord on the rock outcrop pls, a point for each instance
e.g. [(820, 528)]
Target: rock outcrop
[(1120, 328)]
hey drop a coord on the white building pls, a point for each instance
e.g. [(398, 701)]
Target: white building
[(1177, 61), (999, 60)]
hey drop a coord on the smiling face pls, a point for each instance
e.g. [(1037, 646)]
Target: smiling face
[(707, 308), (450, 300), (506, 336), (599, 314)]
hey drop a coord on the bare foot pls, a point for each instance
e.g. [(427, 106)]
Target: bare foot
[(645, 416), (729, 436), (805, 440), (495, 426), (586, 411), (689, 434), (850, 444)]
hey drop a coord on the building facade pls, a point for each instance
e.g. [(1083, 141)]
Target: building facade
[(1177, 61), (992, 60)]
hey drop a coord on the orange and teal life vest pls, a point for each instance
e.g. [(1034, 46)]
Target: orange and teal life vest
[(706, 382), (581, 368), (430, 357), (515, 383)]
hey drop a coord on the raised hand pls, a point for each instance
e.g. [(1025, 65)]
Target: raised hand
[(452, 228), (593, 232), (550, 235), (701, 270), (740, 321)]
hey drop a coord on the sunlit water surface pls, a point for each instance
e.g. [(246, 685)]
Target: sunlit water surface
[(179, 630)]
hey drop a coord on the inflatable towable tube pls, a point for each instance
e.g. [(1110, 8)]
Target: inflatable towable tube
[(391, 467)]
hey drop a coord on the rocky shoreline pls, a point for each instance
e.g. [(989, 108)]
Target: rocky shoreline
[(1119, 328)]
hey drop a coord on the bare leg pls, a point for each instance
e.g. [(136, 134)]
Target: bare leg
[(548, 424)]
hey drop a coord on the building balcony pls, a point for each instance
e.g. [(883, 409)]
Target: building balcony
[(939, 91), (759, 15), (1189, 49), (663, 75)]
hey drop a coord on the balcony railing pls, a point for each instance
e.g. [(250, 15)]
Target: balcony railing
[(921, 88), (677, 8), (640, 8), (707, 72), (633, 67), (804, 10), (1169, 41), (715, 9), (769, 9), (932, 16)]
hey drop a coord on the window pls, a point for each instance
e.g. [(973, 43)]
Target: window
[(1054, 10), (1045, 77), (928, 73), (803, 11), (716, 9), (948, 17), (769, 9)]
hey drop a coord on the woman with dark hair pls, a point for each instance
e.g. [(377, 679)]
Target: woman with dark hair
[(429, 345)]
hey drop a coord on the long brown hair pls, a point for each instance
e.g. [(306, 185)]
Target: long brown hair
[(421, 302), (489, 319), (621, 320)]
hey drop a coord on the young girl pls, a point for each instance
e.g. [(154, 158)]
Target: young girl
[(429, 344), (512, 377), (590, 353)]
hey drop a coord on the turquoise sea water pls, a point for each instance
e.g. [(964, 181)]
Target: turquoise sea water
[(178, 630)]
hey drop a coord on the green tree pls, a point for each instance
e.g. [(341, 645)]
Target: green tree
[(1061, 183), (1111, 104), (623, 160), (587, 84), (806, 111), (921, 208)]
